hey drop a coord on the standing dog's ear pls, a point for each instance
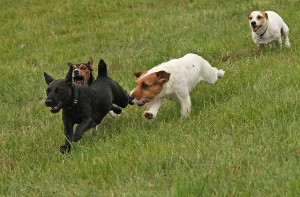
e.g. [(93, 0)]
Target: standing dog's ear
[(48, 78), (69, 78), (90, 64)]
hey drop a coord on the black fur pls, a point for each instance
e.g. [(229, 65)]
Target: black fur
[(85, 106)]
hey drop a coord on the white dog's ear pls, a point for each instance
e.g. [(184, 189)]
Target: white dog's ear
[(163, 76), (138, 74), (266, 15)]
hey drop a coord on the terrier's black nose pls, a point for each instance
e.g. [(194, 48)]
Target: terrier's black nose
[(253, 23), (76, 72), (48, 102)]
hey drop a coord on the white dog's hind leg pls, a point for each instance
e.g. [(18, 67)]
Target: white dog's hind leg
[(285, 33), (153, 109), (279, 43), (186, 103)]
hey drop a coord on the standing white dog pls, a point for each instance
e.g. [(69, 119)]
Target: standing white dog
[(268, 27), (174, 80)]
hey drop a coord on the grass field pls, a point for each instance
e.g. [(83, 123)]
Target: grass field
[(242, 138)]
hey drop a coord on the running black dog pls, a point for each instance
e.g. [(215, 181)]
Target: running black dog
[(85, 106)]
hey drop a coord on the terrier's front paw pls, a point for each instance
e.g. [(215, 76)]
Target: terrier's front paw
[(66, 148), (148, 115)]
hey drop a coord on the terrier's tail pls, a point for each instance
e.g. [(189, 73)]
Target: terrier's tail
[(220, 73)]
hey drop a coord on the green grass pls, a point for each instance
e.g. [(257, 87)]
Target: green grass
[(242, 138)]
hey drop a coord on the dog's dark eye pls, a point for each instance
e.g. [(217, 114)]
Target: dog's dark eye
[(83, 68), (250, 18), (259, 17), (57, 90), (144, 86)]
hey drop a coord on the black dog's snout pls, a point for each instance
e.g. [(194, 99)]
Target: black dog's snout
[(253, 23), (131, 98), (48, 102)]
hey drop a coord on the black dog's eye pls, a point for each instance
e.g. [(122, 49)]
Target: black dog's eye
[(57, 90), (144, 86)]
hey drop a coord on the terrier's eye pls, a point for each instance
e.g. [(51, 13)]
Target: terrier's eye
[(83, 68), (145, 86), (250, 18), (259, 17)]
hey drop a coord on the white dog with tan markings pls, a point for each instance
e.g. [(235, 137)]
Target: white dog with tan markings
[(174, 80), (268, 27)]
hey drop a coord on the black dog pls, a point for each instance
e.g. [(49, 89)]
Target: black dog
[(85, 106)]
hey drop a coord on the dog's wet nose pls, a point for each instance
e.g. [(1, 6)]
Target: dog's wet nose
[(131, 98), (253, 23), (76, 72), (48, 102)]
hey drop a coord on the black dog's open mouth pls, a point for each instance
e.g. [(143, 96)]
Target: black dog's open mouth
[(56, 108), (255, 28), (79, 80)]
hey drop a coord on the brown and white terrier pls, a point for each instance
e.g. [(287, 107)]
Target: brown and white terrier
[(82, 73)]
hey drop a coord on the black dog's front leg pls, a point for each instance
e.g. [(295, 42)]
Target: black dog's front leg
[(68, 130), (81, 128)]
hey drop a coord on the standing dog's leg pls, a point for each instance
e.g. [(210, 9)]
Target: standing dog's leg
[(81, 128), (153, 109)]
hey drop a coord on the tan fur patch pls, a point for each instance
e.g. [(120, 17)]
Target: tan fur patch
[(149, 86)]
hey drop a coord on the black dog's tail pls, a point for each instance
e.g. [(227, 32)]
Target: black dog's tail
[(102, 68)]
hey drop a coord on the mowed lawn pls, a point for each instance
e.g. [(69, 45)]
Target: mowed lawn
[(242, 138)]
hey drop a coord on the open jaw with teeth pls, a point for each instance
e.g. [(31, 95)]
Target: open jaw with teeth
[(255, 28), (56, 108), (79, 80), (142, 102)]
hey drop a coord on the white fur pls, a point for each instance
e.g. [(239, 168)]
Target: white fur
[(186, 72), (274, 28)]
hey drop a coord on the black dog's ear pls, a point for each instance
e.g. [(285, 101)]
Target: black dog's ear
[(48, 78)]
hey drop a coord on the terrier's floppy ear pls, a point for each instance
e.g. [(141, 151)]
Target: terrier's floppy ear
[(70, 64), (163, 76), (266, 15), (90, 64), (48, 78), (138, 74)]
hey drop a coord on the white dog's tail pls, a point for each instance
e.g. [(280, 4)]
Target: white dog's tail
[(220, 73), (212, 74)]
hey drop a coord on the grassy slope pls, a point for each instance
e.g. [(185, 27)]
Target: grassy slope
[(243, 134)]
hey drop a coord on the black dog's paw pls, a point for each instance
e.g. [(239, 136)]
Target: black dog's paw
[(65, 148), (116, 110), (76, 138)]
